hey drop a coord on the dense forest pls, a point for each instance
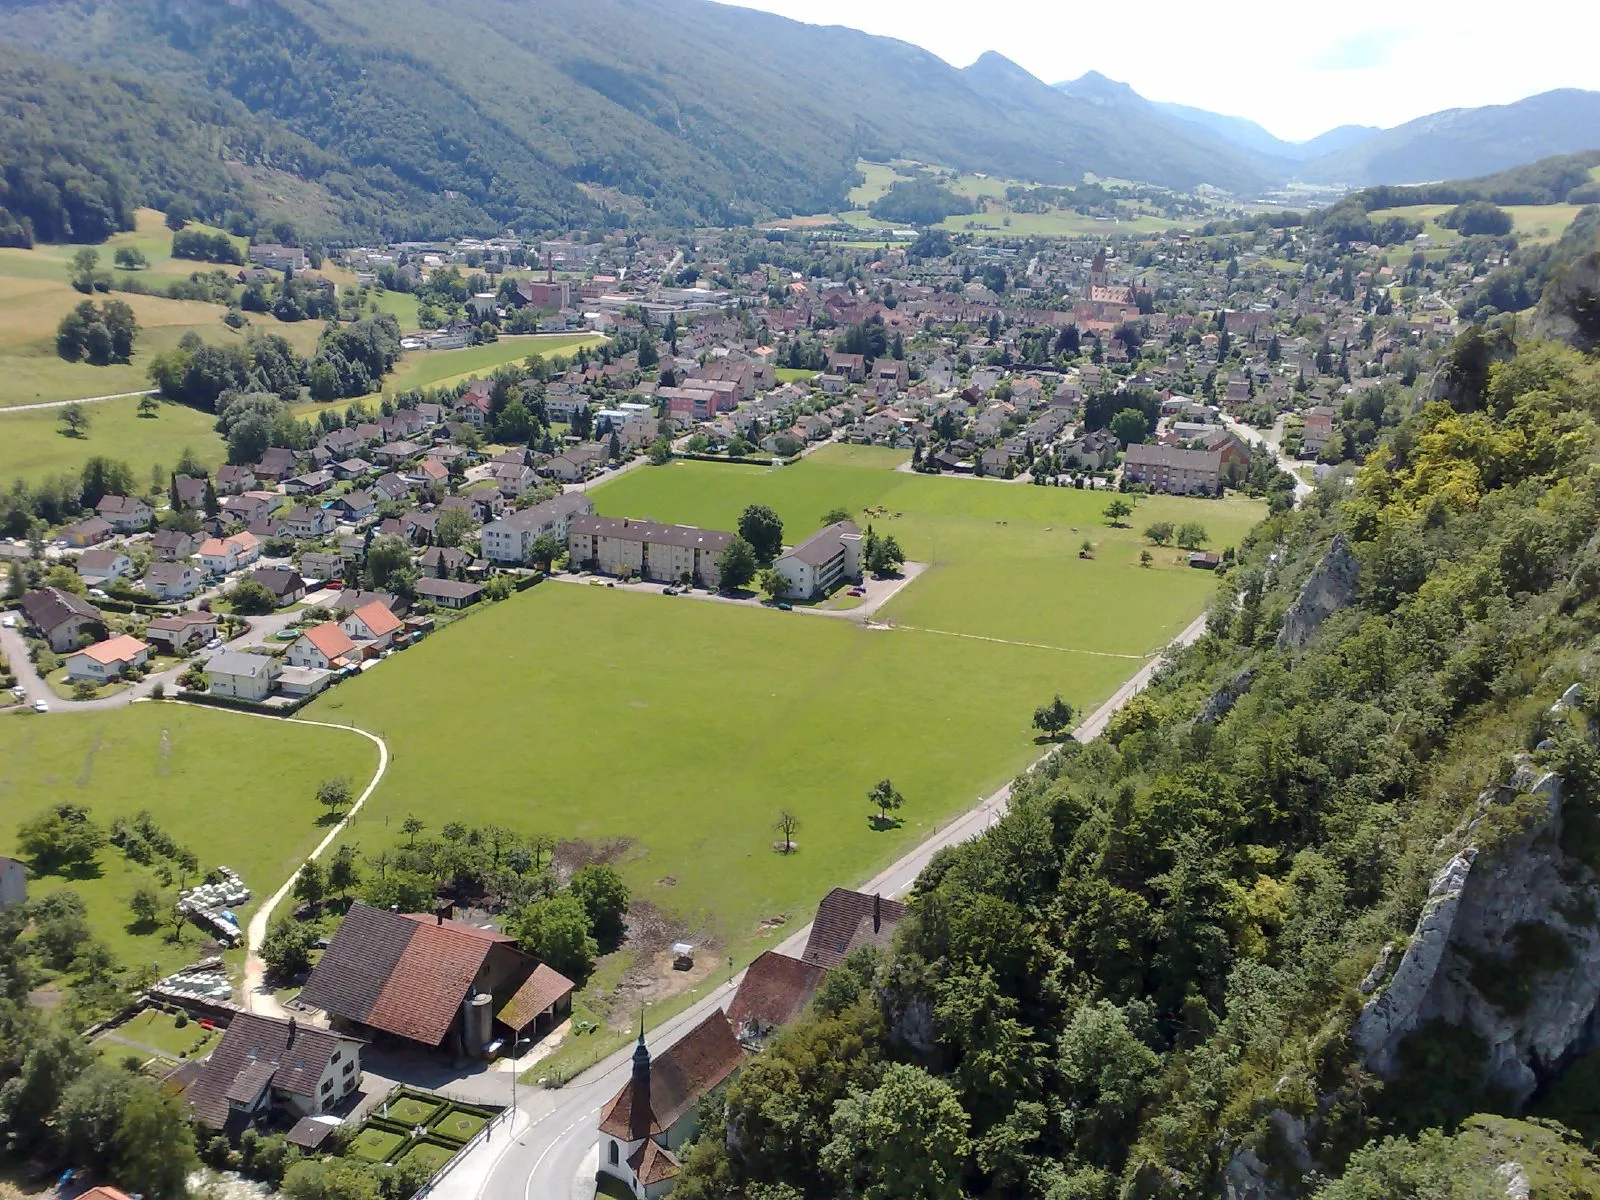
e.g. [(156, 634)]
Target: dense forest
[(1554, 180), (1188, 962)]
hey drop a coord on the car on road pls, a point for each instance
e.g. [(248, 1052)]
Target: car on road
[(785, 606), (214, 644), (9, 621), (19, 692), (99, 594), (858, 591), (40, 706)]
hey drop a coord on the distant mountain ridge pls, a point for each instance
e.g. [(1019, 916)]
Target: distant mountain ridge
[(1249, 135)]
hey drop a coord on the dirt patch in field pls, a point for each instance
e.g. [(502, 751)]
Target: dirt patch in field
[(568, 856), (652, 974)]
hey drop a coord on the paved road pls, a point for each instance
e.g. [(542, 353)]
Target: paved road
[(551, 1155), (16, 408), (1270, 440)]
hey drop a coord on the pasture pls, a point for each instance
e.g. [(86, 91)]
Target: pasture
[(678, 728), (445, 368), (33, 446), (237, 790), (1530, 222)]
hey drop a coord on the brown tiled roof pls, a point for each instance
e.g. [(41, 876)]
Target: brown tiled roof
[(482, 931), (49, 607), (253, 1050), (652, 1164), (248, 1082), (431, 979), (358, 962), (538, 992), (712, 541), (685, 1072), (775, 989), (823, 544), (309, 1133), (847, 919)]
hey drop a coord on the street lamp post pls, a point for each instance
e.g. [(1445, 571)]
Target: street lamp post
[(516, 1044)]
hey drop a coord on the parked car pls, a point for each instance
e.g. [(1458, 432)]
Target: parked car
[(785, 606), (214, 644), (40, 706), (19, 692), (9, 621)]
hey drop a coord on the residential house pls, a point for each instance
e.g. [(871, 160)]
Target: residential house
[(1172, 470), (1094, 451), (512, 479), (312, 483), (242, 676), (449, 593), (776, 989), (372, 625), (270, 1066), (350, 599), (418, 977), (321, 564), (249, 507), (325, 647), (182, 632), (191, 491), (172, 580), (220, 556), (284, 583), (890, 375), (108, 660), (509, 539), (272, 257), (99, 567), (173, 545), (429, 472), (125, 514), (1318, 430), (850, 367), (277, 464), (61, 618), (443, 562), (309, 521), (657, 1110), (823, 561), (90, 531), (355, 507), (848, 920), (395, 453), (472, 407), (231, 480), (648, 549)]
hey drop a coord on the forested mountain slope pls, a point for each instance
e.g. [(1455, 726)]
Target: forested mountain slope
[(1331, 880), (699, 111)]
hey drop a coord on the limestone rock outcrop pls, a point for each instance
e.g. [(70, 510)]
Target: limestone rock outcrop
[(1331, 586)]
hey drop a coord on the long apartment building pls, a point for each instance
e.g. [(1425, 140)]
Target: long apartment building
[(1174, 471), (648, 549)]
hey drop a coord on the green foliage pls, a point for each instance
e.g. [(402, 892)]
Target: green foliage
[(1478, 218), (604, 898), (556, 931), (206, 247), (918, 202), (251, 598), (763, 530), (61, 839), (904, 1140), (736, 565), (286, 949)]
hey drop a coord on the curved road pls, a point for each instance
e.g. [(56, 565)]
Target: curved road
[(551, 1154)]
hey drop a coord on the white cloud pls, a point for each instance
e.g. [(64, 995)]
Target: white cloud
[(1296, 69)]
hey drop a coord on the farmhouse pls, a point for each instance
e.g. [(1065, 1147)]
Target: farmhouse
[(268, 1065), (776, 989), (1177, 472), (823, 561), (648, 549), (109, 659), (658, 1108), (59, 617), (847, 920), (434, 981)]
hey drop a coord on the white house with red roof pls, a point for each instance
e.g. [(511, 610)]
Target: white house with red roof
[(325, 647), (108, 660), (372, 626)]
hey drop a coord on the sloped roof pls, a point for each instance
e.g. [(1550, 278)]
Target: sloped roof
[(538, 992), (652, 1164), (847, 919), (329, 639), (49, 607), (122, 648), (377, 617), (775, 989), (256, 1050), (688, 1069)]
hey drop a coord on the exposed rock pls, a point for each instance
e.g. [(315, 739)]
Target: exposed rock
[(1516, 1181), (1221, 702), (1380, 968), (1389, 1016), (1484, 911), (1247, 1177), (1571, 698), (1569, 309), (1331, 587)]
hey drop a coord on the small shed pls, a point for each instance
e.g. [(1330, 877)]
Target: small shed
[(682, 956)]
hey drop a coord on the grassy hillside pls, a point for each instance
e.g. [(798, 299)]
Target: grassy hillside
[(707, 112)]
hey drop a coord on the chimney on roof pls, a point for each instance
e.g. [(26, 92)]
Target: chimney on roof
[(877, 912), (290, 1041)]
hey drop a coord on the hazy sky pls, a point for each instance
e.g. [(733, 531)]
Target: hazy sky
[(1298, 69)]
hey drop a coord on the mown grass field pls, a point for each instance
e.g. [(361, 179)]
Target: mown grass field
[(237, 790), (683, 726), (1530, 222), (443, 368), (33, 446)]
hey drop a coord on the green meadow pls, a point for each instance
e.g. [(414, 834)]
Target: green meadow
[(239, 791), (443, 368), (682, 726), (33, 445)]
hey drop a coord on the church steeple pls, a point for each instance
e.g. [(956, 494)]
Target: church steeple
[(643, 1117)]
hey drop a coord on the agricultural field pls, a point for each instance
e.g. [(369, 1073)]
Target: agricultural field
[(34, 445), (997, 220), (1530, 222), (680, 727), (237, 790), (445, 368)]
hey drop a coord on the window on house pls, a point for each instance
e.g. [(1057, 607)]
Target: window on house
[(613, 1154), (348, 1067)]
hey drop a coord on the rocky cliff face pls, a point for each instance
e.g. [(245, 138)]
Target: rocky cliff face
[(1331, 587), (1508, 945), (1569, 310)]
